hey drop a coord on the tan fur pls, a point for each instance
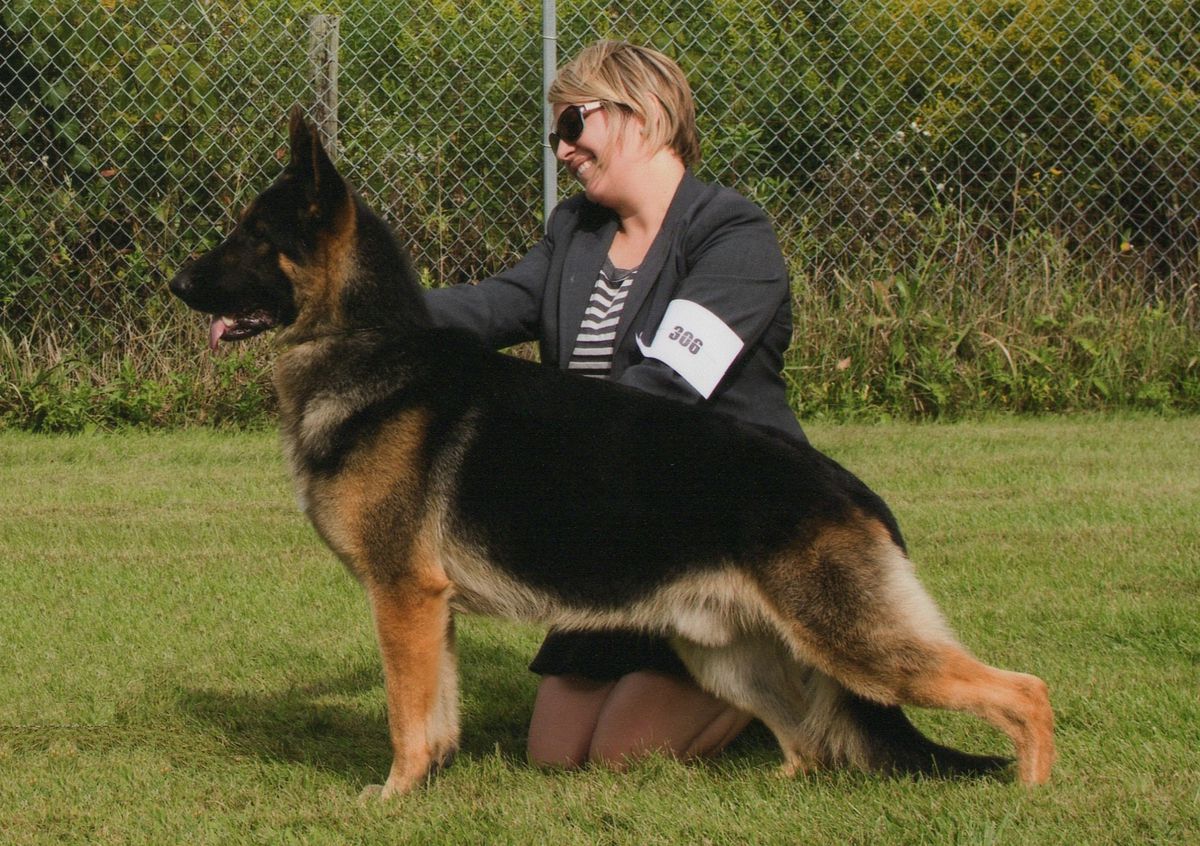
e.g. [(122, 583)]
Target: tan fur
[(318, 285), (894, 616), (352, 509), (710, 608), (411, 620), (802, 706)]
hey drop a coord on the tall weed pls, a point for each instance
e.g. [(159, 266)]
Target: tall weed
[(161, 380), (973, 330), (979, 328)]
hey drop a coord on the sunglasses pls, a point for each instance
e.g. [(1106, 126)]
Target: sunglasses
[(570, 123)]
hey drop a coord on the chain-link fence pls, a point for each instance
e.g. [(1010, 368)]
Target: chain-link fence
[(879, 134)]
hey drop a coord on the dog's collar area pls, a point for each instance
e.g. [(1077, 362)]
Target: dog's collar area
[(295, 336)]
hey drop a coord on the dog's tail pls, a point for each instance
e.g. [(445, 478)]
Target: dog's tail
[(887, 741)]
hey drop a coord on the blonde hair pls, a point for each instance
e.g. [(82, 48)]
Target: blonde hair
[(638, 82)]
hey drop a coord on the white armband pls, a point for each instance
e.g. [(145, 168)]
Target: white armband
[(695, 343)]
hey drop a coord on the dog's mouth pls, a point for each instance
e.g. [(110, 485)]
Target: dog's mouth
[(238, 327)]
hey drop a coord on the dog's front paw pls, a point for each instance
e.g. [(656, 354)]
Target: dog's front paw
[(373, 793), (370, 793), (398, 784)]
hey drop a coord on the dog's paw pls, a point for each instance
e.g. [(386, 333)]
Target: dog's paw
[(442, 759), (370, 794), (373, 793), (797, 766), (392, 789)]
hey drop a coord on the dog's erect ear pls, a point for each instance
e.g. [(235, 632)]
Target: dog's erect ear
[(312, 164), (300, 136)]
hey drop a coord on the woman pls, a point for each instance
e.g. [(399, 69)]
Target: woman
[(657, 281)]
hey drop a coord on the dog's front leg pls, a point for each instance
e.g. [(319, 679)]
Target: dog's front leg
[(412, 621)]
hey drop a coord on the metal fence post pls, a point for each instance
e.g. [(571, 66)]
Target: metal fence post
[(549, 67), (323, 58)]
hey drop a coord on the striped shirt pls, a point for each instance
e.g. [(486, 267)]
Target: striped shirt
[(593, 352)]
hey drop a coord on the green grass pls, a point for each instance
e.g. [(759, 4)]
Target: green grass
[(182, 661)]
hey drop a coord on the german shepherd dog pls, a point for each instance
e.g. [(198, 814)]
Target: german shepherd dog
[(449, 477)]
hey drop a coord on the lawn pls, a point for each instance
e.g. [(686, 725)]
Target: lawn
[(182, 661)]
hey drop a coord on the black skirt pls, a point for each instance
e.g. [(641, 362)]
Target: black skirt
[(605, 655)]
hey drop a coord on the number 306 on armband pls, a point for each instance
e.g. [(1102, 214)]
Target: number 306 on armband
[(695, 343), (686, 339)]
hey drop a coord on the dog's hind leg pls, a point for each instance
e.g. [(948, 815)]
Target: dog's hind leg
[(412, 620), (862, 617), (817, 721), (1016, 703)]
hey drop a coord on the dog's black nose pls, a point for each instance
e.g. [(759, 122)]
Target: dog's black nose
[(181, 285)]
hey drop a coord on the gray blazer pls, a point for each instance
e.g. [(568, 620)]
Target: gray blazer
[(715, 248)]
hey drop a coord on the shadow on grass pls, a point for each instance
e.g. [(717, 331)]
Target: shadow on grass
[(295, 726), (308, 725)]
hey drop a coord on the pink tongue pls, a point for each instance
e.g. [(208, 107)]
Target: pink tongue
[(215, 331)]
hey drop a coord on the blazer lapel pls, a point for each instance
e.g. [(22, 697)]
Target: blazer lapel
[(581, 269), (652, 266)]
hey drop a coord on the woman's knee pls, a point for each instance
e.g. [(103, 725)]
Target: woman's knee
[(649, 712), (564, 718)]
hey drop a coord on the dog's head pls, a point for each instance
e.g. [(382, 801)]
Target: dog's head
[(276, 266)]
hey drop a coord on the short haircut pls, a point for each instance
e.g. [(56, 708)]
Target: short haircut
[(638, 81)]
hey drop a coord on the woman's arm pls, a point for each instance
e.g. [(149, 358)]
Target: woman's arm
[(736, 299), (502, 310)]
